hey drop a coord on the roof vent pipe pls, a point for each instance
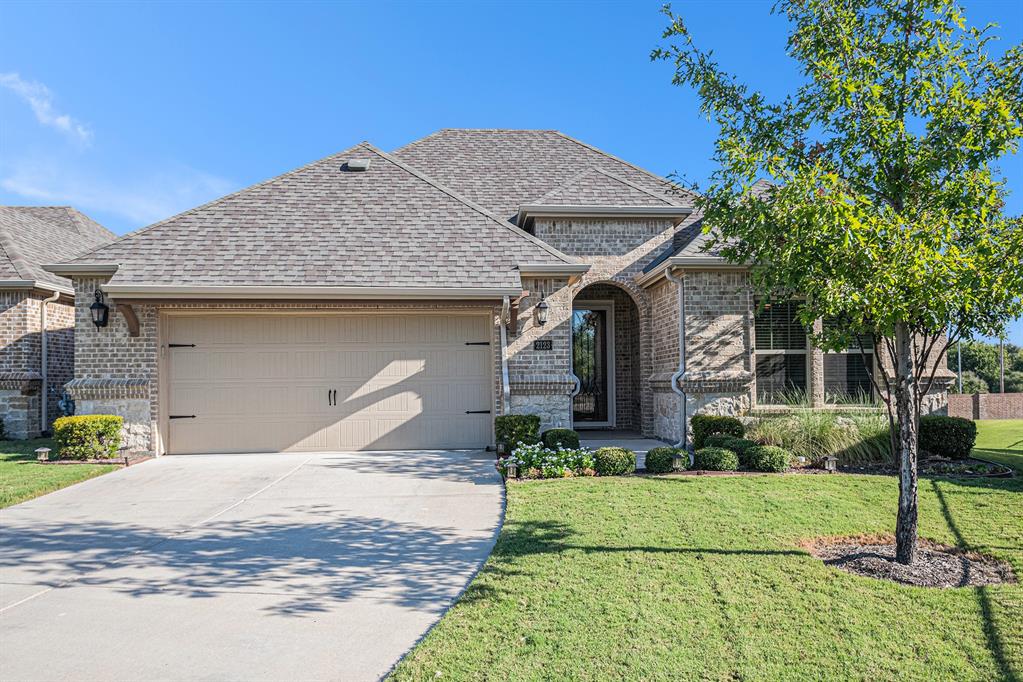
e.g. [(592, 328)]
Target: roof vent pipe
[(677, 377)]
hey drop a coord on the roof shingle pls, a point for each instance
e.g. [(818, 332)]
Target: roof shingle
[(31, 236)]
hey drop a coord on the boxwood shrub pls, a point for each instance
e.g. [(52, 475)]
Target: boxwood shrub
[(662, 460), (512, 429), (705, 425), (769, 458), (614, 461), (560, 438), (951, 437), (88, 436), (740, 446), (715, 459)]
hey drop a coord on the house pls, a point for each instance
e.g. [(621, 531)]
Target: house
[(374, 300), (37, 311)]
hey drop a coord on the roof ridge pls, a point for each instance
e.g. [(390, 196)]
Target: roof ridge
[(473, 205), (623, 161), (565, 184), (212, 202), (11, 251)]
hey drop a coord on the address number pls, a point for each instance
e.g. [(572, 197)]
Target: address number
[(543, 344)]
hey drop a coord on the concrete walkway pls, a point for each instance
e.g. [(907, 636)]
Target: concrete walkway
[(242, 567)]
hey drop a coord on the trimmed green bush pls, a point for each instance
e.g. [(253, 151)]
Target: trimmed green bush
[(715, 459), (560, 438), (768, 458), (740, 446), (951, 437), (512, 429), (662, 460), (614, 461), (88, 436), (705, 425), (3, 430)]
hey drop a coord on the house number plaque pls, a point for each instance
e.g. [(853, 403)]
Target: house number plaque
[(543, 344)]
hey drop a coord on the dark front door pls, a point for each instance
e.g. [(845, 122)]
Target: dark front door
[(590, 352)]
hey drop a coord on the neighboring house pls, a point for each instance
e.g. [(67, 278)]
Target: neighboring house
[(396, 301), (37, 311)]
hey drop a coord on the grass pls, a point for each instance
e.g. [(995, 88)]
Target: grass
[(703, 578), (22, 478), (1000, 440)]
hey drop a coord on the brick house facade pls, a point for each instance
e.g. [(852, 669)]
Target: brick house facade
[(581, 228), (29, 237)]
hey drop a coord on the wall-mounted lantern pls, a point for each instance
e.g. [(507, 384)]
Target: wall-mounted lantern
[(100, 311), (541, 312)]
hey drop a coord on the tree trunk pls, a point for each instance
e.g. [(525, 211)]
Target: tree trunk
[(905, 407)]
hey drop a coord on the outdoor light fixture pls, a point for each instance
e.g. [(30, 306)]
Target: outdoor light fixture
[(831, 464), (100, 311), (43, 454), (541, 312), (511, 469)]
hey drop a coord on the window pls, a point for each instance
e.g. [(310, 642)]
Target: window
[(846, 374), (780, 354)]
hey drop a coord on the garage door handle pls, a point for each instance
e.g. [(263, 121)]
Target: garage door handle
[(181, 345), (181, 416), (477, 411)]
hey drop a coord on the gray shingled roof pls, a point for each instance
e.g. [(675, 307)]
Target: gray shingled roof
[(319, 225), (596, 187), (31, 236), (502, 169)]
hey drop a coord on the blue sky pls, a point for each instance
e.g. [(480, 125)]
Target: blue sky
[(134, 112)]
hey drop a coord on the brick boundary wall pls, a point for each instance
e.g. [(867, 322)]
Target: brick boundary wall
[(986, 406)]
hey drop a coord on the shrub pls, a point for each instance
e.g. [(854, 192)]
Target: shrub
[(740, 446), (560, 438), (707, 425), (768, 458), (716, 459), (662, 460), (873, 445), (88, 436), (536, 461), (951, 437), (512, 429), (3, 430), (614, 461)]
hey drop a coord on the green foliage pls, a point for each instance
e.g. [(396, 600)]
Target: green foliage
[(951, 437), (856, 438), (705, 425), (769, 458), (89, 436), (662, 460), (537, 461), (972, 383), (740, 446), (981, 366), (614, 461), (873, 444), (715, 459), (512, 429), (560, 438), (3, 430)]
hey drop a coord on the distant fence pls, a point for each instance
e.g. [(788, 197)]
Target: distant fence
[(986, 406)]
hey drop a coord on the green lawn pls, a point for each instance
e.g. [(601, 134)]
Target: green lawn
[(703, 578), (21, 478), (1001, 440)]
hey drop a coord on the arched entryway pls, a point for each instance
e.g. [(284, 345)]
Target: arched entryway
[(606, 325)]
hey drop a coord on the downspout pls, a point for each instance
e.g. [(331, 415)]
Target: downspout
[(44, 407), (678, 375), (505, 381)]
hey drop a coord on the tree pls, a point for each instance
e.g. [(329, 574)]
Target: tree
[(885, 211), (973, 383)]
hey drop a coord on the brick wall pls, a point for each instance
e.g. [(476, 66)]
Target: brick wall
[(986, 406), (19, 338), (664, 359), (598, 236)]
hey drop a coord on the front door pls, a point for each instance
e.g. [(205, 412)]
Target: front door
[(593, 364)]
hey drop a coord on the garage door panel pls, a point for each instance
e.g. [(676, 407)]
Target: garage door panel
[(261, 383)]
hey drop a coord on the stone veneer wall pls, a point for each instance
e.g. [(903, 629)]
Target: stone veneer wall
[(21, 359)]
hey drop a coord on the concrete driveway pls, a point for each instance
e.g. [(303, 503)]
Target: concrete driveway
[(242, 567)]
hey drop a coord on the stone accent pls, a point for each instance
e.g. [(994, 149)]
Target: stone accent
[(986, 406), (554, 409), (19, 407), (137, 433)]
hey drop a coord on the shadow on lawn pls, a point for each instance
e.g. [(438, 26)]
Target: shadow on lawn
[(995, 643)]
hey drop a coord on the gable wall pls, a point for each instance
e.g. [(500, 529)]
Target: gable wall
[(598, 236)]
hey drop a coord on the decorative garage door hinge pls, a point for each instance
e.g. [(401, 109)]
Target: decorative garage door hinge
[(181, 416), (181, 345), (477, 411), (477, 343)]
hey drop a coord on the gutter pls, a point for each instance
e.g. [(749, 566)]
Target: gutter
[(44, 406), (157, 291), (553, 268), (580, 211), (35, 284), (505, 379), (690, 262), (681, 372), (79, 269)]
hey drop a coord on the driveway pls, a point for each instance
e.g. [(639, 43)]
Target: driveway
[(242, 567)]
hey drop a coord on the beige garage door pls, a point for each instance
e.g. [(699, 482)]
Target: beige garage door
[(268, 383)]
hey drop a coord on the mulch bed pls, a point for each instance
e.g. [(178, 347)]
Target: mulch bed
[(936, 565), (937, 466), (120, 460)]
